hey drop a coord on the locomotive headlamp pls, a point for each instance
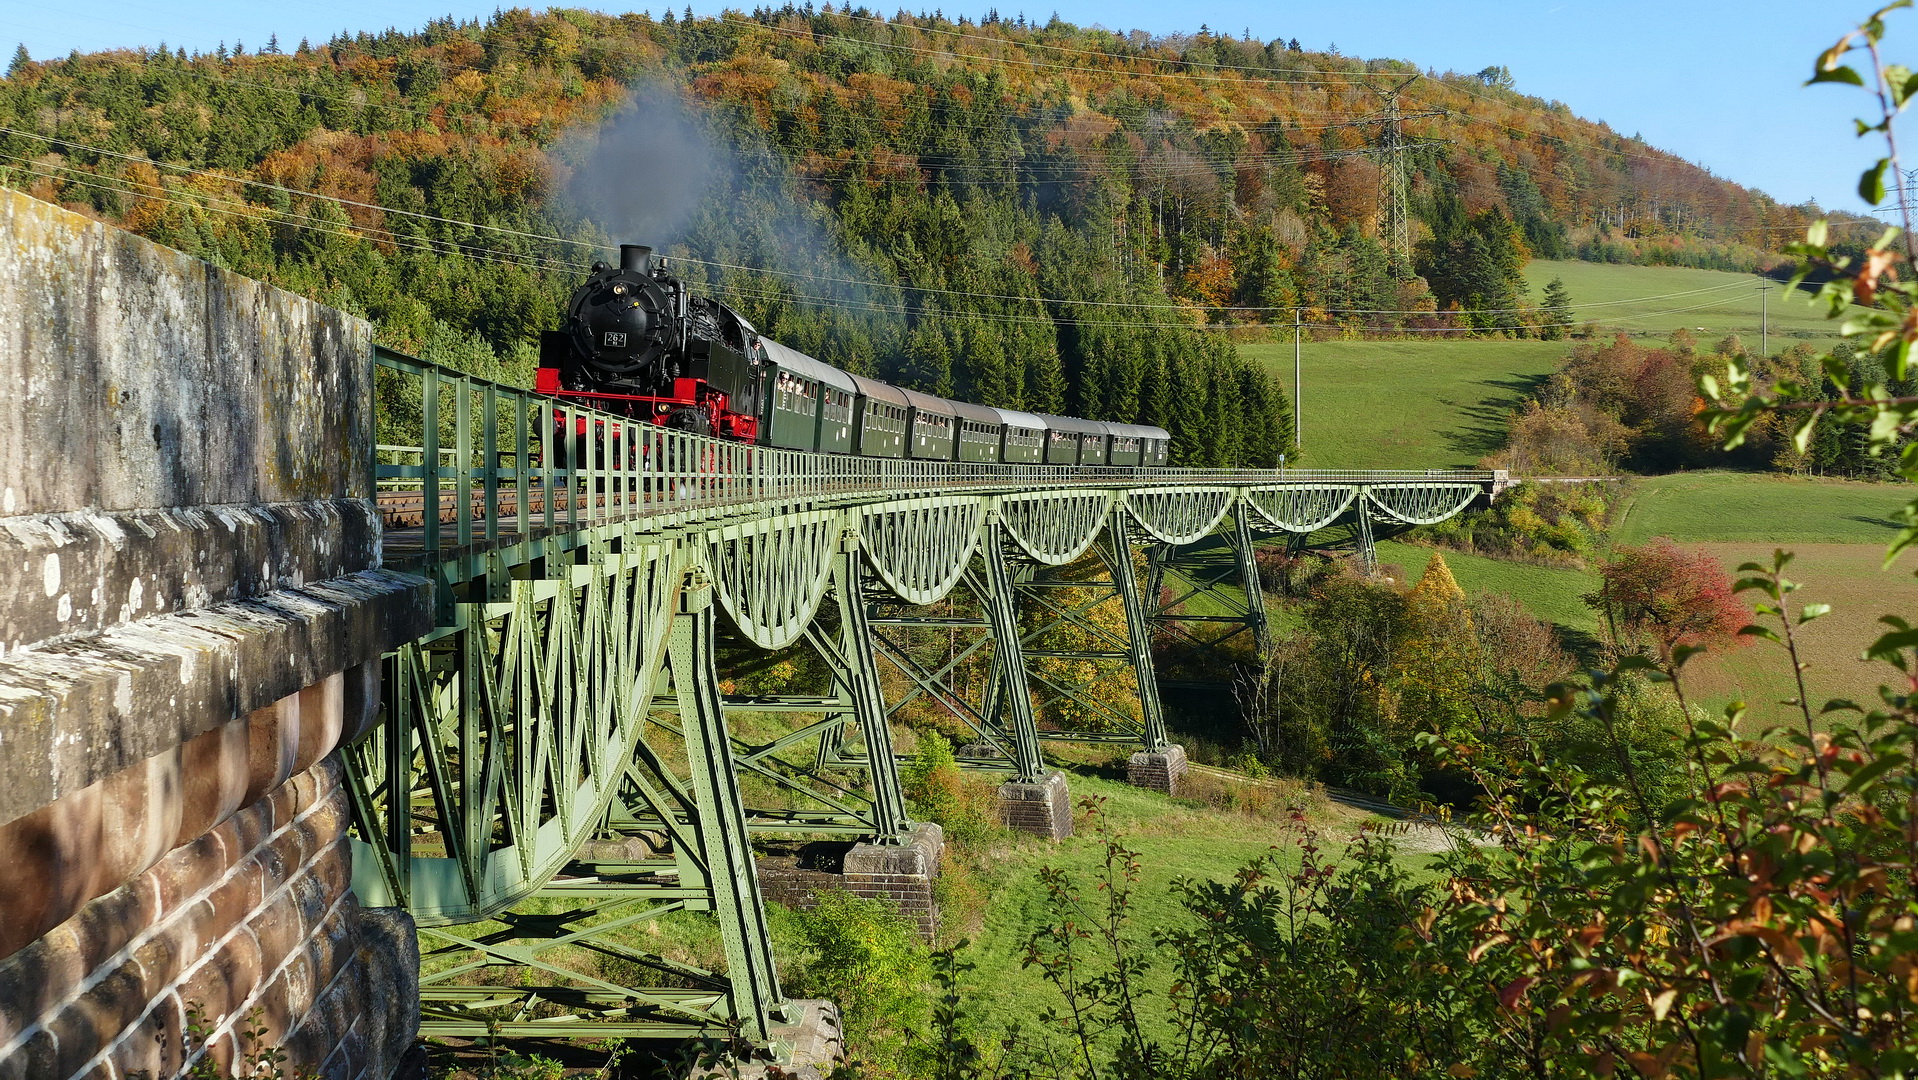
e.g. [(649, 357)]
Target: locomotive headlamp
[(619, 289)]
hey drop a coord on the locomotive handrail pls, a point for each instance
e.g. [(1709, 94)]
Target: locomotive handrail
[(587, 466)]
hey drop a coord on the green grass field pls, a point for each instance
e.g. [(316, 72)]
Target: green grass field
[(1437, 404), (1551, 593), (1751, 508), (1837, 530), (1408, 404), (1655, 300)]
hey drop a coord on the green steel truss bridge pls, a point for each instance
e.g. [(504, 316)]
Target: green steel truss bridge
[(555, 770)]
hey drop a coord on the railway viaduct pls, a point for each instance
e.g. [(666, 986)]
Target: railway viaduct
[(340, 704)]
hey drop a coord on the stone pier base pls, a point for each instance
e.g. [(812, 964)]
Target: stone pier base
[(1043, 808), (1159, 771), (807, 1047), (900, 873)]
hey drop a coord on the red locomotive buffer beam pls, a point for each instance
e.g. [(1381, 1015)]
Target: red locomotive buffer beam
[(691, 394)]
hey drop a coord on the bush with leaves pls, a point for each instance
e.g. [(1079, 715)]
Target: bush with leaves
[(863, 955), (1551, 524)]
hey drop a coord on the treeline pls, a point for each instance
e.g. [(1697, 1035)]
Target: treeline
[(1628, 406), (1036, 216)]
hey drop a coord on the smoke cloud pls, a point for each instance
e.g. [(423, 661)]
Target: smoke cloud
[(641, 175)]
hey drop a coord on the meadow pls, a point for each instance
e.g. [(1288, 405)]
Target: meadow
[(1177, 839), (1656, 300), (1424, 404), (1836, 530), (1408, 404)]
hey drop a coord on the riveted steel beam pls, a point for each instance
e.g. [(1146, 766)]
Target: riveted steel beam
[(719, 815), (1118, 555), (1012, 701)]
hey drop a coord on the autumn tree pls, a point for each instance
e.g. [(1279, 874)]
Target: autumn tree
[(1666, 596), (1438, 656)]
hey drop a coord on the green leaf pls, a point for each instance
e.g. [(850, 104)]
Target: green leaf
[(1812, 611), (1763, 633), (1839, 73), (1906, 537), (1863, 777), (1839, 704), (1801, 439), (1871, 183), (1818, 232), (1888, 645)]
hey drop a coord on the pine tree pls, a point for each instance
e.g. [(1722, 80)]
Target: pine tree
[(22, 62), (1557, 310)]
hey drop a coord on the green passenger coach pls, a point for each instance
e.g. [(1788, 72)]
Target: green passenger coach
[(934, 427), (1024, 441), (978, 431), (810, 404), (880, 416)]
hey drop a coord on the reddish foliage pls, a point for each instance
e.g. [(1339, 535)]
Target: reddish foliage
[(1673, 595)]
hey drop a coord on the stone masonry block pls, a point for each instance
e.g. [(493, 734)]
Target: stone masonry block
[(1157, 771), (1042, 808), (806, 1047), (901, 873)]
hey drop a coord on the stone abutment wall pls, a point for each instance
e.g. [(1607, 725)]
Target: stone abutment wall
[(192, 612)]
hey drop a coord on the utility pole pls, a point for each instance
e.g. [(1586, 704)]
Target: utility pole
[(1298, 385), (1764, 322)]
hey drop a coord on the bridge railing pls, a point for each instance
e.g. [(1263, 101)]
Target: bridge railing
[(489, 457)]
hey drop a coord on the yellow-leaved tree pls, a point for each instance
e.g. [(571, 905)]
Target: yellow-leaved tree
[(1438, 655)]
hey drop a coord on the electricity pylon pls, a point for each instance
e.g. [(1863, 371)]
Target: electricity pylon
[(1393, 183)]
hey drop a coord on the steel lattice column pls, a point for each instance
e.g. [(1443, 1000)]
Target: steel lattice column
[(1118, 556), (855, 661), (720, 814), (1012, 701), (1249, 580), (1368, 549)]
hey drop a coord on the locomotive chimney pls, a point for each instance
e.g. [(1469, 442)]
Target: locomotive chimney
[(636, 257)]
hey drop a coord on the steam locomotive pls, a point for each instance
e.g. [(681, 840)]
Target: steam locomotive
[(638, 343)]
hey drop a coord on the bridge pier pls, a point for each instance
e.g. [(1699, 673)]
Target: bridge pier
[(192, 609), (1036, 800)]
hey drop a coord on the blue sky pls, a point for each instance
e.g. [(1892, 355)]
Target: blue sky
[(1714, 80)]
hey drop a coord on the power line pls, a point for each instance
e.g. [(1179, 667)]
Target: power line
[(859, 282)]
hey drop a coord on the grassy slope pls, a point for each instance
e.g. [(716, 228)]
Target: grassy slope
[(1408, 404), (1176, 839), (1837, 530), (1551, 593), (1754, 508), (1431, 404), (1731, 308)]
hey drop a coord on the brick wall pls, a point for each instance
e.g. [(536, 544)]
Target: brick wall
[(192, 613), (251, 924), (1042, 808)]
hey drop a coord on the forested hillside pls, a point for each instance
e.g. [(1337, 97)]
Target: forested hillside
[(1047, 217)]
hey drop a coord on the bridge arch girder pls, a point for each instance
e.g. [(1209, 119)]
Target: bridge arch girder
[(517, 765), (1178, 515), (1054, 528), (919, 548), (1419, 503), (771, 574), (1297, 508)]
